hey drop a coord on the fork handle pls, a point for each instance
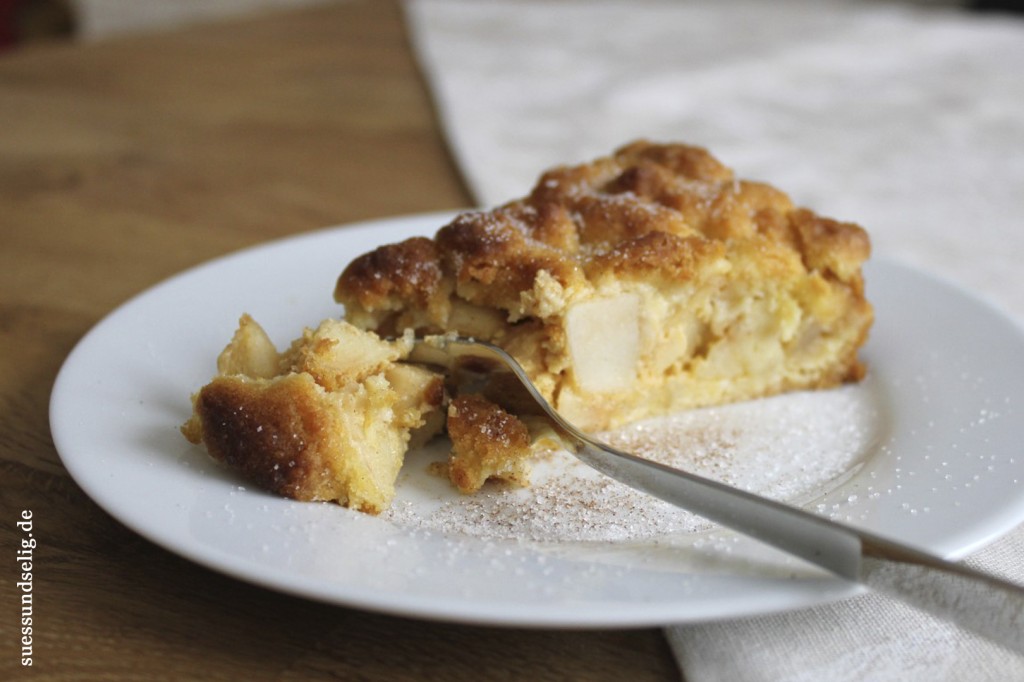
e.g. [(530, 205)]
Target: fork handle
[(989, 606)]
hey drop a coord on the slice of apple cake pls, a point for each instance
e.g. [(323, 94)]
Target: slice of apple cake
[(644, 282)]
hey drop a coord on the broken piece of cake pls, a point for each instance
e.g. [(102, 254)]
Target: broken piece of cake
[(330, 418), (645, 282), (488, 443)]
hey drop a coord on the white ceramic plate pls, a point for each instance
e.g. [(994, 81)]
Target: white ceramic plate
[(941, 468)]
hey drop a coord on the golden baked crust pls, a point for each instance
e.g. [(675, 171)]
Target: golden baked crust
[(329, 419), (642, 282)]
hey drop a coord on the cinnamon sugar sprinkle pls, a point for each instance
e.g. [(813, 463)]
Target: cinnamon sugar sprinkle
[(791, 447)]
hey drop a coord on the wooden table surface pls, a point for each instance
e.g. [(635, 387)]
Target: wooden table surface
[(126, 161)]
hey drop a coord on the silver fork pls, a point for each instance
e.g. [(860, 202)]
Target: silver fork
[(987, 605)]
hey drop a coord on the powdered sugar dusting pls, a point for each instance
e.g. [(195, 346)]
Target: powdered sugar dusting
[(792, 447)]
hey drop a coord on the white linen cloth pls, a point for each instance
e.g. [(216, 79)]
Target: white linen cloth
[(908, 119)]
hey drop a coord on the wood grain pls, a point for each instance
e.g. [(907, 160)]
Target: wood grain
[(126, 161)]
